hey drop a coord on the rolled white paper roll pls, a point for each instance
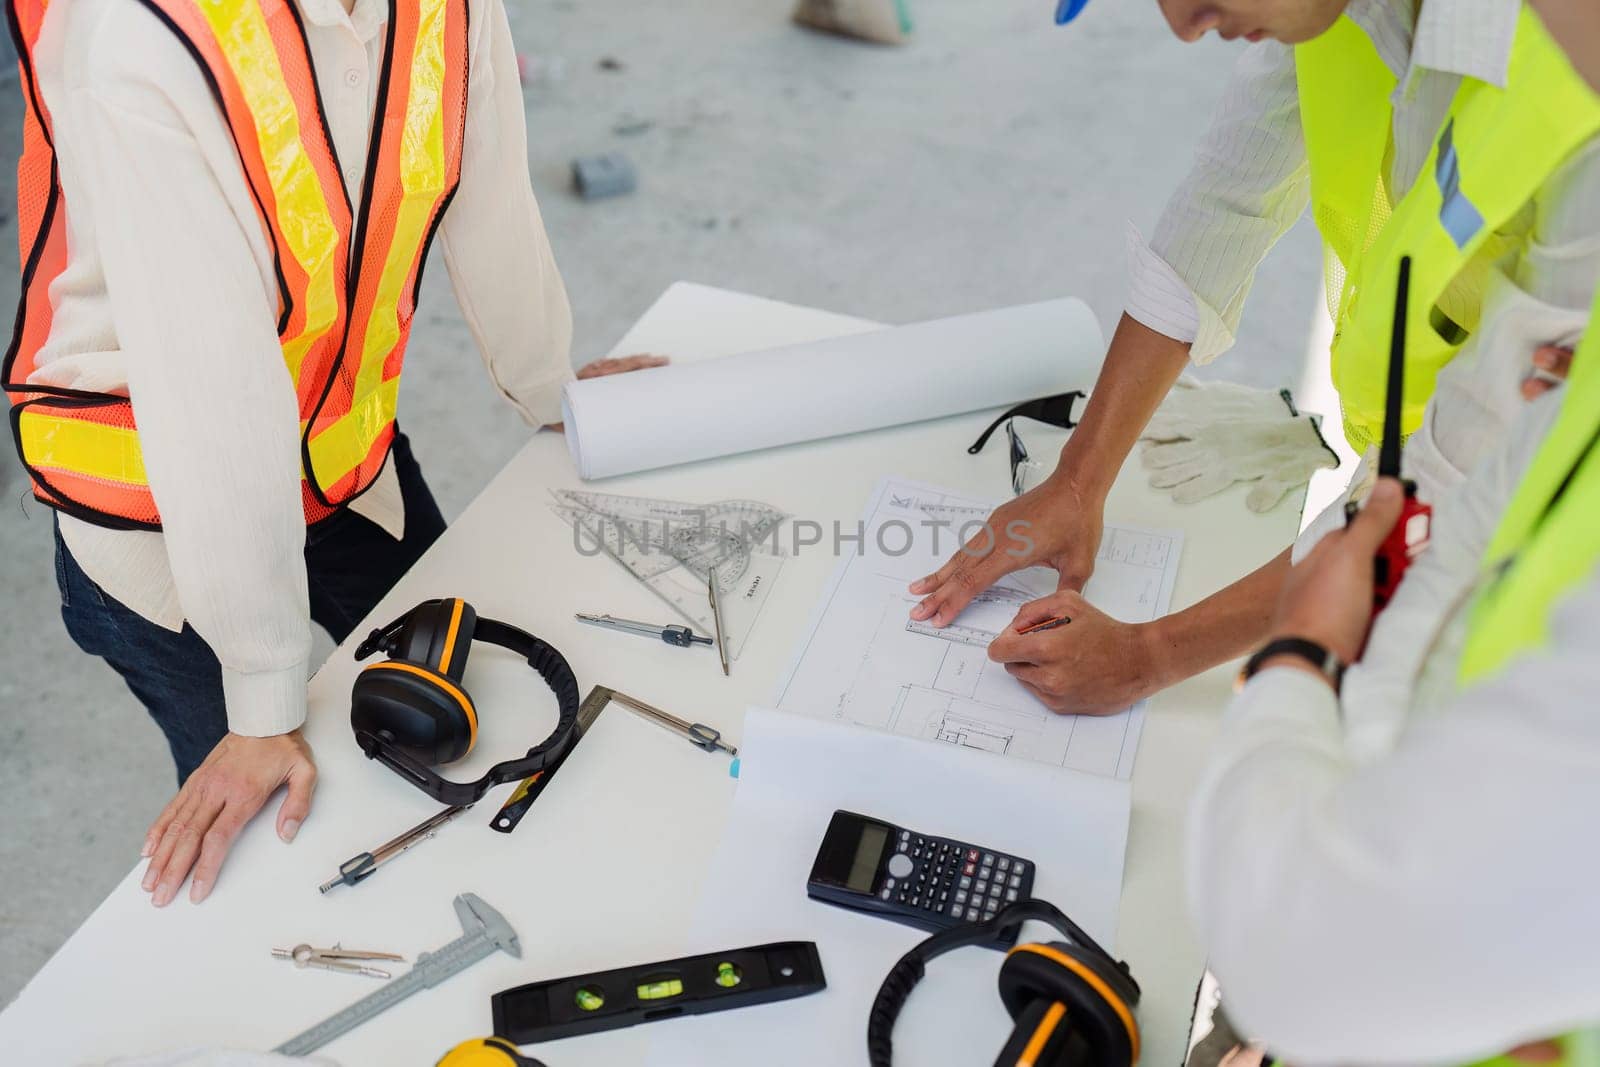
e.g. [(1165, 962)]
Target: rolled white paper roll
[(686, 412)]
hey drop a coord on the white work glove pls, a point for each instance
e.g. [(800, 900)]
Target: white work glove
[(1206, 436), (1193, 405), (218, 1057)]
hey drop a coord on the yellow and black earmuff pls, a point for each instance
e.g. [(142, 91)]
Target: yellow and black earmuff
[(411, 712), (1071, 1003), (486, 1052), (1059, 995), (417, 696)]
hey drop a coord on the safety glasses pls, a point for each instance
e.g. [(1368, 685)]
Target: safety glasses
[(1020, 463), (1055, 410)]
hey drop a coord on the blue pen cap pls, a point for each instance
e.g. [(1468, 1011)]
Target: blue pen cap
[(1067, 10)]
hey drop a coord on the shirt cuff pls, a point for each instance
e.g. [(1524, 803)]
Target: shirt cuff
[(266, 703), (1157, 296), (541, 405), (1160, 298), (1286, 701), (1215, 336)]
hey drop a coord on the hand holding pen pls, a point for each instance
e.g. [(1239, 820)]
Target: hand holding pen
[(1077, 660)]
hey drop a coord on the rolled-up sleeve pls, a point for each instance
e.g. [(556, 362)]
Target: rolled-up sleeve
[(1249, 184)]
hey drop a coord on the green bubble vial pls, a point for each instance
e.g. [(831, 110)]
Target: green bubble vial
[(662, 989)]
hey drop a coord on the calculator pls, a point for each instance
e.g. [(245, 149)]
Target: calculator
[(933, 883)]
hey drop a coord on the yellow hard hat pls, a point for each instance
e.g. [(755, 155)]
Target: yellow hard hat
[(486, 1052)]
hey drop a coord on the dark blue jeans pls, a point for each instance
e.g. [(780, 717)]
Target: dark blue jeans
[(350, 564)]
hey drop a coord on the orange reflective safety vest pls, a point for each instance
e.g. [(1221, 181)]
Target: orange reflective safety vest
[(347, 277)]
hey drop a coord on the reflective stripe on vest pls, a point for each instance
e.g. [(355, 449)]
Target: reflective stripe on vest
[(1547, 541), (1494, 151), (347, 281)]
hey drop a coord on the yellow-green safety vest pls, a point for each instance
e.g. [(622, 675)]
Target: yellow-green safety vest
[(1548, 539), (1493, 152)]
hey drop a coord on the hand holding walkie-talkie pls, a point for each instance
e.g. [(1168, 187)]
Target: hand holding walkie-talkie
[(1411, 532)]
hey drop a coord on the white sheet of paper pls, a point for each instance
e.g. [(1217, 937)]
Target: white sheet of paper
[(703, 409), (864, 661), (795, 772)]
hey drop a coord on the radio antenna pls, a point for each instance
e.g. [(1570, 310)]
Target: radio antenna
[(1389, 457)]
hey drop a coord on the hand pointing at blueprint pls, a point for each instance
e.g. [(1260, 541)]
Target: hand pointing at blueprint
[(866, 661), (1038, 528)]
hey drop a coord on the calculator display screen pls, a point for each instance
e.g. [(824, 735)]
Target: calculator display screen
[(868, 852)]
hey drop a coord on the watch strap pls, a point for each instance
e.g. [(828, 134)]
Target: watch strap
[(1329, 665)]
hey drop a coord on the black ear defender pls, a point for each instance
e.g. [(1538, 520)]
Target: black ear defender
[(412, 713), (1071, 1003)]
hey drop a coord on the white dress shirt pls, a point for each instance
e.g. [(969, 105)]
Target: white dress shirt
[(1250, 181), (1414, 882), (170, 296)]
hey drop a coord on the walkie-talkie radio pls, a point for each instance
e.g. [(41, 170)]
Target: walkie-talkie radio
[(1411, 533)]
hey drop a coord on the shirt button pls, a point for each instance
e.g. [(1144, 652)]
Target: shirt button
[(352, 77)]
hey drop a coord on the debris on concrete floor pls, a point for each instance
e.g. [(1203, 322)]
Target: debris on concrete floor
[(879, 21), (629, 126), (604, 175)]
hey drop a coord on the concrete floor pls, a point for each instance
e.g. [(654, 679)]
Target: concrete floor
[(996, 160)]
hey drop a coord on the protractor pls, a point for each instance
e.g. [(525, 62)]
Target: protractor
[(711, 547)]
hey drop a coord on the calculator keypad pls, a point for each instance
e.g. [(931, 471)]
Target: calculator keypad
[(954, 882)]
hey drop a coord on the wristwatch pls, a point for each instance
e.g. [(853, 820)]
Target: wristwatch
[(1324, 660)]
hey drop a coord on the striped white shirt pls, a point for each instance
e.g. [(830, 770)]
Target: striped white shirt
[(1250, 182)]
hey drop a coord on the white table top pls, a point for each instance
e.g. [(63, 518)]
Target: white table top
[(605, 870)]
